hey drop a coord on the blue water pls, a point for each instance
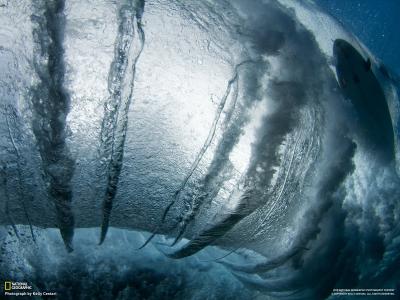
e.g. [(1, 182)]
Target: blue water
[(375, 22)]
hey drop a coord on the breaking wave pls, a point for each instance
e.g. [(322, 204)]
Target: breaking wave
[(215, 143)]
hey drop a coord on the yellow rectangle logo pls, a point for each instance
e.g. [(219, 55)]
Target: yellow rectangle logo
[(7, 285)]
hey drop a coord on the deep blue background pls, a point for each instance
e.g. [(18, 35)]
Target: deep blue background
[(375, 22)]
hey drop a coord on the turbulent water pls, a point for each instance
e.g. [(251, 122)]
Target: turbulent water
[(194, 149)]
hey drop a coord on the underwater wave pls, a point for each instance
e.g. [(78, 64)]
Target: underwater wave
[(252, 145)]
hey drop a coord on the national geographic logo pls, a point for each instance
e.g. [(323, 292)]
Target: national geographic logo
[(13, 286)]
